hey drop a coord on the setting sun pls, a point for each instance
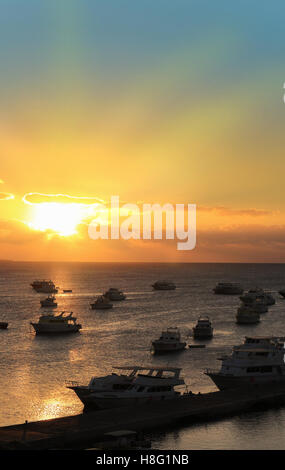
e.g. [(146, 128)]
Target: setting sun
[(60, 218)]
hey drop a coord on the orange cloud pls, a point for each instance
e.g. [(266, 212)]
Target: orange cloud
[(221, 210)]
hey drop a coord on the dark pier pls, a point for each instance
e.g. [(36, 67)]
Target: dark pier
[(85, 429)]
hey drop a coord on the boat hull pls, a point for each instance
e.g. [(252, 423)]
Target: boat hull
[(228, 291), (42, 290), (114, 298), (55, 329), (227, 382), (92, 401), (246, 322), (43, 305), (198, 334), (164, 348), (101, 307), (163, 287)]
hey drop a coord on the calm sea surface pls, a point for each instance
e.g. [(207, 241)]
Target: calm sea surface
[(34, 369)]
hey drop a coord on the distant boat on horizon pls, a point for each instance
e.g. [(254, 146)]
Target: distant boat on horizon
[(164, 285), (228, 288)]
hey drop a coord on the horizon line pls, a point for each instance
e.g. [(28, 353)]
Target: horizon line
[(141, 262)]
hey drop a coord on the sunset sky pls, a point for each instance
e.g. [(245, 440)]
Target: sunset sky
[(152, 100)]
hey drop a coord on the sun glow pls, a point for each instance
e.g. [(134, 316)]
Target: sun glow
[(63, 219)]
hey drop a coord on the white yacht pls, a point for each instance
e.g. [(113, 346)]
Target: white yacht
[(203, 328), (43, 286), (50, 324), (115, 294), (260, 360), (101, 303), (228, 288), (247, 315), (169, 341), (135, 385), (50, 301), (164, 285)]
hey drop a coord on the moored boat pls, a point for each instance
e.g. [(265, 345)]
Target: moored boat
[(228, 288), (51, 324), (50, 301), (101, 303), (122, 439), (169, 341), (44, 286), (247, 315), (115, 294), (134, 386), (256, 304), (258, 294), (164, 285), (259, 360), (203, 328)]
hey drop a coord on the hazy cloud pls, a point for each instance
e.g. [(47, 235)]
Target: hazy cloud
[(6, 196), (221, 210), (39, 198)]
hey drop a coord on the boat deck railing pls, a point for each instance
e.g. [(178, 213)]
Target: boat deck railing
[(71, 383)]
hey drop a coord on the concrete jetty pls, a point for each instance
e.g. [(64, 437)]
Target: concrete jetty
[(85, 429)]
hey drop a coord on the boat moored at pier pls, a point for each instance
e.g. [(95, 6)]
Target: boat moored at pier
[(135, 385), (259, 360)]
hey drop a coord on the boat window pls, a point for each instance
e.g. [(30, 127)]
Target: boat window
[(163, 388), (252, 369), (266, 369), (120, 386), (262, 369)]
